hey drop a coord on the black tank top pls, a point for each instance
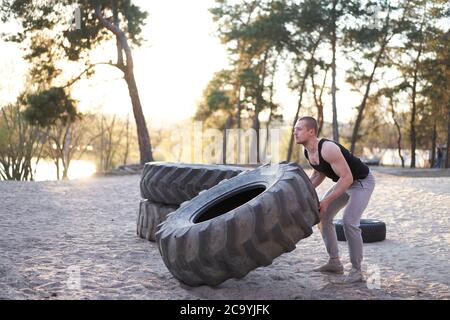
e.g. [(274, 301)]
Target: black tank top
[(359, 170)]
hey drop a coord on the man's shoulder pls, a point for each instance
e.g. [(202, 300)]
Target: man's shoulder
[(330, 151), (329, 146)]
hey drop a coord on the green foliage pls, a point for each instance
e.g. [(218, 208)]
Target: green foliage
[(216, 96), (255, 32), (47, 107), (46, 24), (51, 14)]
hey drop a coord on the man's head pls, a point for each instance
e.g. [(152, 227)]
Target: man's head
[(305, 129)]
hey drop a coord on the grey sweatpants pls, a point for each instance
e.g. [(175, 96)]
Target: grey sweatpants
[(355, 201)]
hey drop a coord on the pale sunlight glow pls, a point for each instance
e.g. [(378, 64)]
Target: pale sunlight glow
[(46, 170), (81, 169)]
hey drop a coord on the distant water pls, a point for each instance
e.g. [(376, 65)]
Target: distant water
[(46, 170)]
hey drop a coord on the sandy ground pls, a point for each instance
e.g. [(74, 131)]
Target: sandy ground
[(76, 240)]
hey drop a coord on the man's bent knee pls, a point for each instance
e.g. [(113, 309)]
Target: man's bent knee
[(349, 226)]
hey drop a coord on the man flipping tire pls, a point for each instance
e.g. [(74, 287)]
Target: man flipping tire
[(353, 189)]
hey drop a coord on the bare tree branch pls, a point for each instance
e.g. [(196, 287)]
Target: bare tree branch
[(90, 67), (119, 34)]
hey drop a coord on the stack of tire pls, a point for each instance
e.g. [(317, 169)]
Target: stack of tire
[(164, 186), (233, 227)]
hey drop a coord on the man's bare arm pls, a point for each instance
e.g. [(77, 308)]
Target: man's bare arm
[(333, 155), (317, 178)]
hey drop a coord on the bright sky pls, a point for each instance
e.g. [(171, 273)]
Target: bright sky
[(171, 69)]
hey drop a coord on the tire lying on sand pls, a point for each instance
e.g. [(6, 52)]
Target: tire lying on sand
[(150, 215), (239, 225), (372, 230), (175, 183)]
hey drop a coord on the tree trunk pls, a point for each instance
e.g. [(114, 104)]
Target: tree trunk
[(447, 154), (66, 151), (57, 169), (433, 147), (145, 148), (239, 110), (399, 143), (413, 131), (259, 104), (120, 62), (399, 132), (39, 154), (291, 139), (271, 105), (108, 148), (362, 106), (414, 109), (302, 89), (65, 172), (318, 100), (413, 136), (333, 75)]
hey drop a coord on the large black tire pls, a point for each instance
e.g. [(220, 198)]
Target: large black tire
[(239, 225), (175, 183), (371, 230), (150, 215)]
